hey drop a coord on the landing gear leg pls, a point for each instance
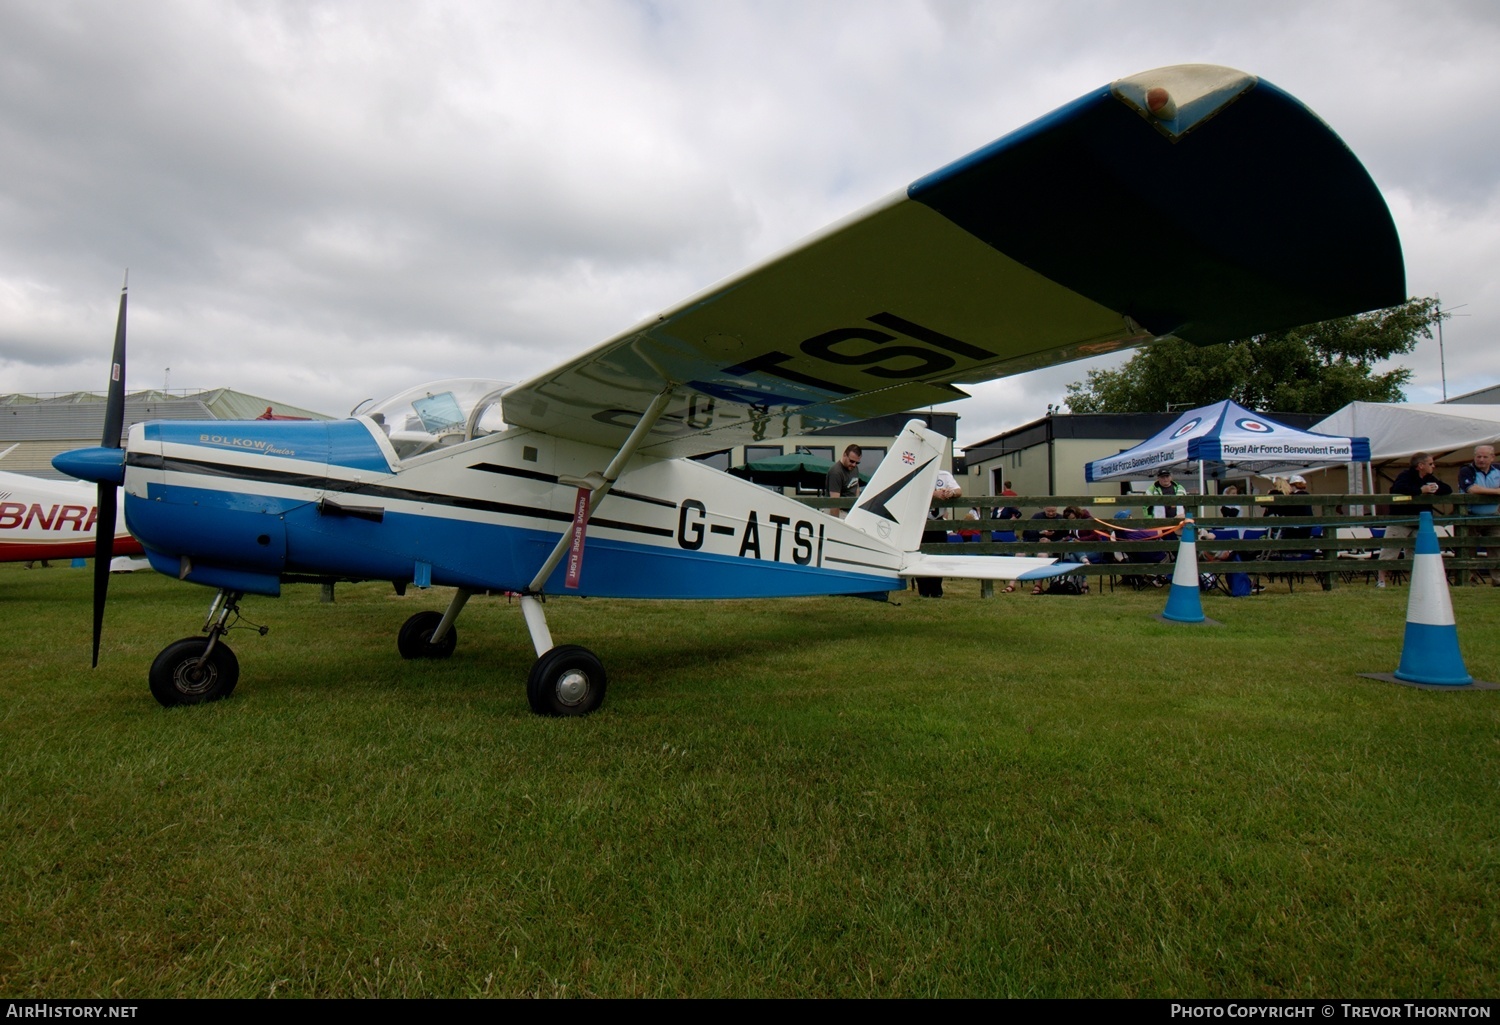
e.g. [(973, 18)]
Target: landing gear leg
[(569, 680), (565, 680), (199, 669)]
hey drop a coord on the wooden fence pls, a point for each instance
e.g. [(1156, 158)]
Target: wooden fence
[(1345, 545)]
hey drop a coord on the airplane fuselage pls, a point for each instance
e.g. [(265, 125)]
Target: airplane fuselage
[(45, 519), (244, 505)]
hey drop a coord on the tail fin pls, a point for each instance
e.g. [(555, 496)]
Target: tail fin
[(893, 506)]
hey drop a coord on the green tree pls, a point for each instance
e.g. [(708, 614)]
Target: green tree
[(1316, 368)]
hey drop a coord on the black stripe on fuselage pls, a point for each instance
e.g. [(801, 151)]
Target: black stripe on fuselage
[(551, 478), (858, 562), (265, 475), (857, 547)]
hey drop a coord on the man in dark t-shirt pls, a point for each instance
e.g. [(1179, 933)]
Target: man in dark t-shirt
[(843, 476)]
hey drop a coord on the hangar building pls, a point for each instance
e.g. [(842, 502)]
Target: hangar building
[(34, 428)]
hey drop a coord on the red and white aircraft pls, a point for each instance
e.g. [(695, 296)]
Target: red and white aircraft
[(48, 519)]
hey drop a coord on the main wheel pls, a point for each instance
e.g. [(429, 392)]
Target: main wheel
[(567, 680), (177, 678), (415, 638)]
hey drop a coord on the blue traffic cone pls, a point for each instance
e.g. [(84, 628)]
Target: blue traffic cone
[(1429, 653), (1184, 603)]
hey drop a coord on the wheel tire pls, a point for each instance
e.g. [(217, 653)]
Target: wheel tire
[(176, 681), (567, 680), (415, 638)]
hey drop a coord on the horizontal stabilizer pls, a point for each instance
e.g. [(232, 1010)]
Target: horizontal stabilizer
[(984, 567)]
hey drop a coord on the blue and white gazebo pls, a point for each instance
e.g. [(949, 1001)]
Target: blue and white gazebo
[(1228, 433)]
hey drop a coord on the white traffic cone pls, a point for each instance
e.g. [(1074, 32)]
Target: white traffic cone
[(1429, 652), (1184, 603)]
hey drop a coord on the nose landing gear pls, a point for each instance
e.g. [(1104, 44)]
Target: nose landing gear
[(199, 669), (192, 671)]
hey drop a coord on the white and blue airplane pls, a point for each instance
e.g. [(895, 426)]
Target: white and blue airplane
[(1194, 201)]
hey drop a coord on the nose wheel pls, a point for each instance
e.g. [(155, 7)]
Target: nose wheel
[(195, 670), (192, 671)]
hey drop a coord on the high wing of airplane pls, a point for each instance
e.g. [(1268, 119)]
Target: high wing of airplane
[(45, 519), (1193, 201)]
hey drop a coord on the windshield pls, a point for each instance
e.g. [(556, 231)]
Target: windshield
[(439, 413)]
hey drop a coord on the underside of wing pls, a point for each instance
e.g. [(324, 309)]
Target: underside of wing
[(1193, 201)]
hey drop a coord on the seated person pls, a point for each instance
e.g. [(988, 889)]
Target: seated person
[(970, 533), (1044, 532), (1416, 480), (1085, 534), (1144, 557), (1008, 512), (1078, 581), (1222, 534), (1240, 584), (1047, 532), (1231, 490), (1294, 485)]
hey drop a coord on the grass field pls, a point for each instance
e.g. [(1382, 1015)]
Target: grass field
[(1053, 796)]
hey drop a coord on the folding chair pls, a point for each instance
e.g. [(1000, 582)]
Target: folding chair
[(1354, 534)]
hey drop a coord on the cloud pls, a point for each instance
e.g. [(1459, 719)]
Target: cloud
[(320, 202)]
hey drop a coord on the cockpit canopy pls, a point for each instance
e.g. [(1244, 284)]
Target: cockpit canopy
[(440, 413)]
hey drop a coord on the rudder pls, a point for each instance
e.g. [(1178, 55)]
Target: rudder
[(893, 506)]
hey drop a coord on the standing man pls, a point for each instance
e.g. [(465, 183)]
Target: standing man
[(1166, 486), (1482, 477), (1415, 480), (946, 486), (843, 476)]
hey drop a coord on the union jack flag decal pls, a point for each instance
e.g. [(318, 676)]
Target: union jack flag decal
[(908, 458)]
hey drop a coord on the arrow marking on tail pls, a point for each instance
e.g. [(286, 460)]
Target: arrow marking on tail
[(876, 504)]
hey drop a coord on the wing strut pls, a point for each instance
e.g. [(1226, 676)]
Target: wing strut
[(598, 486)]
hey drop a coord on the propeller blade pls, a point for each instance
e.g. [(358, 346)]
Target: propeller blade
[(108, 500), (104, 551), (114, 408)]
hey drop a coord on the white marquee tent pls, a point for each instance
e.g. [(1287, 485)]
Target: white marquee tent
[(1398, 430)]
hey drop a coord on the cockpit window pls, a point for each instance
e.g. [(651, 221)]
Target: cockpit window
[(438, 413), (441, 413)]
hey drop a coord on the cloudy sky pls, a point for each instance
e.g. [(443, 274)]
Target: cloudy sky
[(324, 202)]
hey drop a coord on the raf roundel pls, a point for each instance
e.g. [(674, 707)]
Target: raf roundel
[(1187, 427), (1257, 426)]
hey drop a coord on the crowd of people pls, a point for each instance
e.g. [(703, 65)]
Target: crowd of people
[(1073, 529)]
